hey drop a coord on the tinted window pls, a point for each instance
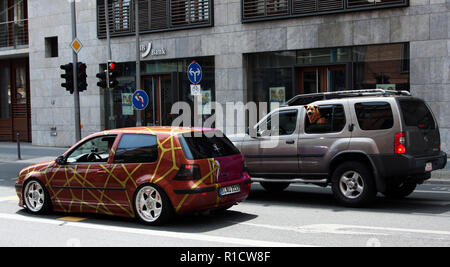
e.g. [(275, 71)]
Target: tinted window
[(279, 123), (137, 148), (207, 146), (374, 115), (416, 113), (333, 120)]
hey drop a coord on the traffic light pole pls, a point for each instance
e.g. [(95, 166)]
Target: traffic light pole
[(112, 120), (75, 76)]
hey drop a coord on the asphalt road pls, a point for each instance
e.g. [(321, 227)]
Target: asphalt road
[(303, 215)]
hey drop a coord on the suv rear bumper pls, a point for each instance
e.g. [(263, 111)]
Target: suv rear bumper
[(407, 165)]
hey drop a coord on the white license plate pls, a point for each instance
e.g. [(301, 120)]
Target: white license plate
[(429, 167), (228, 190)]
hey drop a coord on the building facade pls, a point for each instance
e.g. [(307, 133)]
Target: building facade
[(250, 50)]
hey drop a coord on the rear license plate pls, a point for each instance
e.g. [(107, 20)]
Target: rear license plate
[(228, 190), (429, 167)]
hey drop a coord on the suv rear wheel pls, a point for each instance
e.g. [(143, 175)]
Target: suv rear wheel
[(274, 187), (353, 184)]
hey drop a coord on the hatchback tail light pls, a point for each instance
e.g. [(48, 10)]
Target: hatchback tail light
[(188, 172), (399, 143)]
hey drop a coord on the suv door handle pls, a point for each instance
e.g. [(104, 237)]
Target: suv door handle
[(290, 142), (351, 127)]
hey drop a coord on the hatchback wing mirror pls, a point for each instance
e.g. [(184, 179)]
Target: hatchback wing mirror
[(61, 160)]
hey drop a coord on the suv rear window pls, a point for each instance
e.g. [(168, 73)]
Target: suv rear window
[(374, 115), (416, 113), (208, 145)]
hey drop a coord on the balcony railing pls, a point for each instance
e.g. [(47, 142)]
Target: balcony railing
[(257, 10), (13, 34)]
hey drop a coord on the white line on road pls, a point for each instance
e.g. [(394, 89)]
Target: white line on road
[(9, 198), (148, 232), (345, 229)]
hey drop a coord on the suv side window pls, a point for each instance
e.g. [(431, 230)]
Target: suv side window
[(137, 148), (334, 120), (279, 123), (374, 115)]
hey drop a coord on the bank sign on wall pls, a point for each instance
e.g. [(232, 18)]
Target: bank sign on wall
[(149, 50)]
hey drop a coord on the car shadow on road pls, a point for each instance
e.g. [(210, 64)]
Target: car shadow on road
[(187, 223), (322, 198)]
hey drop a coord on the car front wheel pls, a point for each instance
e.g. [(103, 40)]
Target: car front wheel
[(274, 187), (400, 190), (36, 197), (353, 184)]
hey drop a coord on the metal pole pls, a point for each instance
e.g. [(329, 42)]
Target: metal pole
[(112, 119), (75, 76), (138, 59), (19, 156)]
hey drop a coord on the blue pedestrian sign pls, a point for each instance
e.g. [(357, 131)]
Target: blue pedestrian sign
[(140, 100), (194, 73)]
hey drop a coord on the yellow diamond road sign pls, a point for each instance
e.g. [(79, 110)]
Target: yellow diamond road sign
[(76, 45)]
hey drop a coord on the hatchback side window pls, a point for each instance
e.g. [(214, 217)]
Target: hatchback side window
[(280, 123), (96, 149), (374, 115), (331, 120), (137, 148)]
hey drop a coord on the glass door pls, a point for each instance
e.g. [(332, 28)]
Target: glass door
[(158, 88), (321, 79)]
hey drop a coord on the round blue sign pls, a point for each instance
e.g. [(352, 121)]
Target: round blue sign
[(194, 73), (140, 100)]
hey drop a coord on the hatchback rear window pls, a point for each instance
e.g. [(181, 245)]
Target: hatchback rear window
[(207, 145), (416, 113), (374, 115)]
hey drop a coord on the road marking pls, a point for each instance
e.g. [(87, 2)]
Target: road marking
[(149, 232), (344, 229), (9, 198), (72, 219), (431, 192)]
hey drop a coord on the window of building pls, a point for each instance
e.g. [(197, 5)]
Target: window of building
[(51, 47), (255, 10), (5, 93), (137, 148), (154, 15), (332, 120), (374, 115)]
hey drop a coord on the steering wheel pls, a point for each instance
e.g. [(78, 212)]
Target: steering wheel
[(93, 156)]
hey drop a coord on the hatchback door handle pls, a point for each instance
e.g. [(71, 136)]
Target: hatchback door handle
[(290, 142)]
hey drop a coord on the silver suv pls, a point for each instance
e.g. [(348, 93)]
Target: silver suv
[(367, 141)]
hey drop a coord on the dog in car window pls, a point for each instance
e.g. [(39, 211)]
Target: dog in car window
[(314, 116)]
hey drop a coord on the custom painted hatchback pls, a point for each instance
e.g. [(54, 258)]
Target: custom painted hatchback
[(149, 173)]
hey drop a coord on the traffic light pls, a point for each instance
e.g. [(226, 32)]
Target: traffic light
[(112, 75), (68, 76), (102, 83), (81, 77)]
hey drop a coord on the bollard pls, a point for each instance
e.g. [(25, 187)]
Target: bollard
[(18, 146)]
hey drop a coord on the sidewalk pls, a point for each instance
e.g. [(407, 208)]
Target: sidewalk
[(29, 153), (35, 154)]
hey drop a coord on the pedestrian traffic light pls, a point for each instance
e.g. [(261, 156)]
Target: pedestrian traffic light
[(81, 77), (102, 83), (112, 75), (68, 76)]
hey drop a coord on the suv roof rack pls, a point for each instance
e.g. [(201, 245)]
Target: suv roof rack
[(309, 98)]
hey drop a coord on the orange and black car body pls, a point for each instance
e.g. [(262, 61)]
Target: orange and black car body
[(107, 183)]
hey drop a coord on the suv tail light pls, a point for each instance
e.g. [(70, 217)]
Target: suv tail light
[(399, 143), (188, 172)]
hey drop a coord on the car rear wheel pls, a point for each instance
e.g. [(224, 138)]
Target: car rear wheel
[(274, 187), (353, 184), (36, 197), (400, 190), (151, 205)]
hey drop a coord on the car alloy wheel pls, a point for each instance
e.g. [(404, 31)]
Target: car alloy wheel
[(149, 204), (351, 184), (35, 197)]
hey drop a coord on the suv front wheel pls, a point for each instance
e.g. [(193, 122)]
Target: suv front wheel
[(353, 184)]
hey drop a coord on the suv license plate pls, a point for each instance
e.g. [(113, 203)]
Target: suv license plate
[(429, 167), (228, 190)]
